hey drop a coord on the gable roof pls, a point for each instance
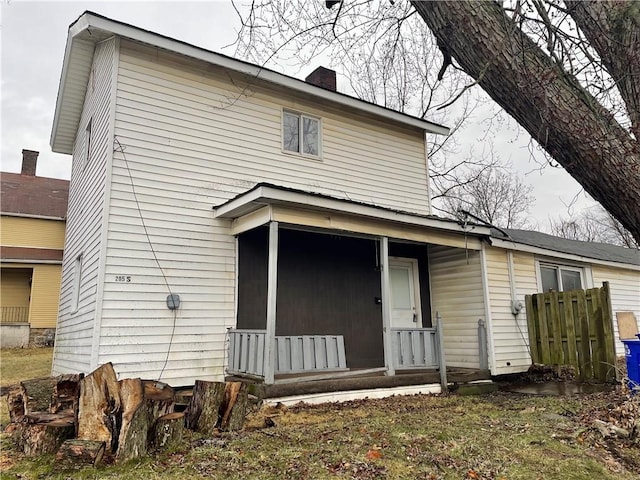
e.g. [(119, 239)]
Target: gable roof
[(594, 250), (33, 196), (91, 28)]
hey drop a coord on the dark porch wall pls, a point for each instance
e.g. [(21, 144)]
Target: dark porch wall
[(420, 253), (327, 284), (253, 254)]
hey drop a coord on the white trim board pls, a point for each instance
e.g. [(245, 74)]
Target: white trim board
[(345, 396)]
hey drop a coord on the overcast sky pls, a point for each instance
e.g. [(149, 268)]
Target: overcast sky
[(33, 40)]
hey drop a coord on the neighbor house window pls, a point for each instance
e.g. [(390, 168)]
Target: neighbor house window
[(75, 288), (300, 134), (560, 278)]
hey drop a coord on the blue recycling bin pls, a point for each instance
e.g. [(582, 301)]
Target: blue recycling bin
[(632, 356)]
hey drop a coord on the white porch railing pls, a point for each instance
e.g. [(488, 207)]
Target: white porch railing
[(415, 348), (294, 353), (412, 348), (246, 352)]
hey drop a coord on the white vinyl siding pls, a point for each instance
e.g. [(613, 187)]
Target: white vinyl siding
[(624, 286), (509, 333), (193, 140), (84, 224), (457, 294), (191, 116)]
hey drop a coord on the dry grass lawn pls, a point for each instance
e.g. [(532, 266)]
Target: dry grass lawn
[(496, 436)]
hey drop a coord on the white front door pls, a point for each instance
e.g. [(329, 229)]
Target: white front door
[(405, 293)]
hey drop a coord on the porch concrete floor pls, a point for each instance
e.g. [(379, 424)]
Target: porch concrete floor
[(359, 382)]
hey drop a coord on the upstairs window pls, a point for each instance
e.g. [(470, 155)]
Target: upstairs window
[(300, 134), (560, 278)]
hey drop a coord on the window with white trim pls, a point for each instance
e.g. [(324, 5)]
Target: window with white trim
[(300, 133), (75, 287), (561, 278)]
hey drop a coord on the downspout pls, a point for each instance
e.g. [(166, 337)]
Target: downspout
[(487, 309)]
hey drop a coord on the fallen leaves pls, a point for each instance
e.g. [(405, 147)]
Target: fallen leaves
[(374, 453)]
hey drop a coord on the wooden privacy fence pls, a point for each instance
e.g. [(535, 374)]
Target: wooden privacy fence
[(573, 328)]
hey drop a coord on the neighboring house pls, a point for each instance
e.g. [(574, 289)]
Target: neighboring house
[(32, 223), (226, 218), (528, 262)]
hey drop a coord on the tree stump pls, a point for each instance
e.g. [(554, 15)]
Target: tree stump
[(99, 406), (37, 394), (15, 403), (203, 412), (168, 431), (160, 399), (74, 453), (44, 437), (234, 407), (132, 441), (183, 398), (66, 392)]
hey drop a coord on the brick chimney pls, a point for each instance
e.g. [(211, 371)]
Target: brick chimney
[(29, 162), (323, 77)]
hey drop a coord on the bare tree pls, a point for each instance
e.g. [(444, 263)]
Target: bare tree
[(387, 56), (593, 225), (568, 72), (496, 196)]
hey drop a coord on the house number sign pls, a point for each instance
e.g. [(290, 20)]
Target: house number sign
[(123, 278)]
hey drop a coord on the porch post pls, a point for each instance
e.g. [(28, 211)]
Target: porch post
[(386, 306), (272, 287), (441, 360)]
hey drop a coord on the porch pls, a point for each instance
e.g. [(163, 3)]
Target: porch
[(327, 298)]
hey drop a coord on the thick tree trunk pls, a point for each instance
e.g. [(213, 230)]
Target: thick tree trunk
[(613, 30), (160, 400), (132, 440), (75, 453), (203, 412), (549, 103), (234, 406), (99, 406)]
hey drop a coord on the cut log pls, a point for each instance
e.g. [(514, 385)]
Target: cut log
[(167, 431), (183, 398), (132, 441), (99, 407), (66, 393), (15, 403), (160, 399), (46, 417), (75, 453), (203, 412), (41, 438), (37, 394), (234, 407)]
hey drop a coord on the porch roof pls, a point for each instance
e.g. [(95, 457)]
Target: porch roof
[(249, 208)]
